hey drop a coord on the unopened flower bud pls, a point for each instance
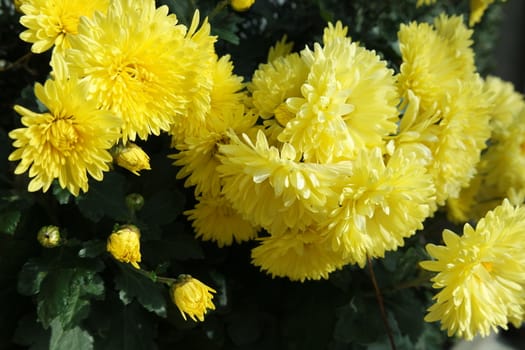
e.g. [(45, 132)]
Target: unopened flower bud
[(124, 245), (192, 297), (49, 236), (241, 5), (131, 157), (134, 201)]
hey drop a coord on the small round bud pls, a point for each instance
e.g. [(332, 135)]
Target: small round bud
[(134, 201), (49, 236), (241, 5), (131, 157)]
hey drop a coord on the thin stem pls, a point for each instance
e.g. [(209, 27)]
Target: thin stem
[(21, 61), (379, 298), (152, 276), (218, 8), (421, 281)]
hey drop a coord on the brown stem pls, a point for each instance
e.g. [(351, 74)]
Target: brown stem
[(379, 298)]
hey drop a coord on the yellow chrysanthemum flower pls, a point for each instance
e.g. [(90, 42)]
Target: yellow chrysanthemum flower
[(332, 32), (272, 83), (271, 188), (198, 160), (53, 22), (192, 297), (280, 49), (202, 76), (506, 104), (380, 205), (481, 275), (131, 157), (197, 141), (214, 219), (69, 141), (348, 102), (477, 9), (134, 59), (499, 172), (462, 134), (504, 161), (298, 255), (434, 58), (124, 245)]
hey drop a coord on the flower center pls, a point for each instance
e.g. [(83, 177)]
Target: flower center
[(63, 135), (127, 72), (487, 265)]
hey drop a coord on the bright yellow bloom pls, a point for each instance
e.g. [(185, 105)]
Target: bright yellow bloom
[(192, 297), (69, 141), (272, 83), (198, 160), (49, 236), (450, 112), (198, 140), (124, 245), (201, 77), (500, 170), (331, 32), (477, 9), (298, 255), (280, 49), (53, 22), (504, 161), (241, 5), (131, 157), (380, 205), (506, 104), (271, 188), (134, 59), (462, 134), (425, 2), (348, 101), (434, 58), (214, 219), (481, 275)]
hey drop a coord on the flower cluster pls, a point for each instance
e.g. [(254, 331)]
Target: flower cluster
[(120, 72), (326, 157), (352, 158)]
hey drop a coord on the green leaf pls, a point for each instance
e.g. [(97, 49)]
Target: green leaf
[(244, 327), (409, 312), (65, 294), (9, 221), (132, 284), (350, 327), (30, 333), (162, 208), (182, 8), (225, 25), (105, 198), (68, 339), (127, 327), (61, 194), (432, 338), (92, 249), (181, 247), (31, 276), (226, 35)]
